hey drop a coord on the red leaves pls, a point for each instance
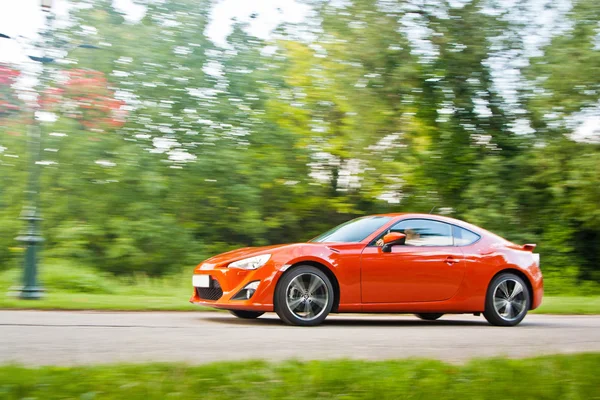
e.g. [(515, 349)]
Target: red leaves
[(86, 97), (50, 97), (9, 103), (8, 75)]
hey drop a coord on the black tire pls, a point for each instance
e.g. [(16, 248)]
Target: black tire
[(520, 302), (429, 316), (246, 314), (288, 286)]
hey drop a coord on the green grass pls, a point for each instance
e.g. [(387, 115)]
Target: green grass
[(117, 302), (569, 305), (178, 301), (552, 377), (78, 288)]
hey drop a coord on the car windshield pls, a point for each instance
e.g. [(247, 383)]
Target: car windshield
[(353, 231)]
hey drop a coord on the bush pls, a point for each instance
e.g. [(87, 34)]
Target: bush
[(68, 277), (567, 283), (64, 276)]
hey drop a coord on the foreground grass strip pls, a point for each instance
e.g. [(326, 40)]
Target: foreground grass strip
[(179, 302), (552, 377)]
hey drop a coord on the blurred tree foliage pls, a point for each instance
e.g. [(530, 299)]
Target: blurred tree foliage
[(369, 106)]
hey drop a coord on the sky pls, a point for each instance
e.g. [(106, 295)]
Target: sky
[(24, 18)]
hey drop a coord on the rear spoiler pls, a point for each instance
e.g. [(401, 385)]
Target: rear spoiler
[(526, 247), (529, 247)]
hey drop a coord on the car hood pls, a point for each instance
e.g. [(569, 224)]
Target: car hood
[(239, 254)]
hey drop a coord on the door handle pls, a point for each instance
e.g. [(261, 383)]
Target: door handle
[(451, 260)]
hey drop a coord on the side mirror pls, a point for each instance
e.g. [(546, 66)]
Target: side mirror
[(392, 239)]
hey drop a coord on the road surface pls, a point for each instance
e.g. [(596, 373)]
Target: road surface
[(76, 338)]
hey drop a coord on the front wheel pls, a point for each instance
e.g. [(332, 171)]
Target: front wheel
[(246, 314), (304, 296), (507, 300), (429, 316)]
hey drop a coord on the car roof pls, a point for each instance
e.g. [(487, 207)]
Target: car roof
[(442, 218)]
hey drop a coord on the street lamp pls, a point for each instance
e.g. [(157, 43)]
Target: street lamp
[(31, 237), (46, 5)]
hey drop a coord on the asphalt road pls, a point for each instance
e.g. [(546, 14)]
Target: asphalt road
[(74, 338)]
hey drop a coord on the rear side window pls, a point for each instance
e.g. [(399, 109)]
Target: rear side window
[(463, 237), (424, 232)]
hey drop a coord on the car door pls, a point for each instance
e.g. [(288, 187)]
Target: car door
[(428, 267)]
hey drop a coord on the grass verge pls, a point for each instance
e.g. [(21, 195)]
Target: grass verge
[(177, 300), (115, 302), (552, 377), (569, 305), (78, 288)]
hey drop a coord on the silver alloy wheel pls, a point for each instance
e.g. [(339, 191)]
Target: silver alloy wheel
[(509, 299), (307, 296)]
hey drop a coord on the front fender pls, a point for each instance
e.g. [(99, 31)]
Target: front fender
[(342, 260)]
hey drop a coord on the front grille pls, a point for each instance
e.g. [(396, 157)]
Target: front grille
[(214, 292)]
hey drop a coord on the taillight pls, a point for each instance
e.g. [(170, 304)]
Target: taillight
[(536, 259)]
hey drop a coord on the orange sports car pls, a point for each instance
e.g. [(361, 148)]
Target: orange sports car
[(424, 264)]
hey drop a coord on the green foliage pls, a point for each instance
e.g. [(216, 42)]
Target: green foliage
[(64, 276), (551, 377), (234, 147)]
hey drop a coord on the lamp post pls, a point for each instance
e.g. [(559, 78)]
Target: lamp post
[(32, 237), (46, 5)]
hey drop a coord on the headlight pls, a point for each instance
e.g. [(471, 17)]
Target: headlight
[(251, 263)]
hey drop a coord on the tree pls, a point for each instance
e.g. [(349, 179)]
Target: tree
[(370, 106)]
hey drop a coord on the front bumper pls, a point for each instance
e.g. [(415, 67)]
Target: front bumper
[(225, 283)]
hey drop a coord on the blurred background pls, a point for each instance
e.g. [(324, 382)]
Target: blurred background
[(166, 131)]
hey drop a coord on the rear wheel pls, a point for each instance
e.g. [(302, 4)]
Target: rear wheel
[(429, 316), (246, 314), (304, 296), (507, 300)]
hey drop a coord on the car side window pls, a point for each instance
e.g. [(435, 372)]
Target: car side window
[(424, 232), (464, 237)]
